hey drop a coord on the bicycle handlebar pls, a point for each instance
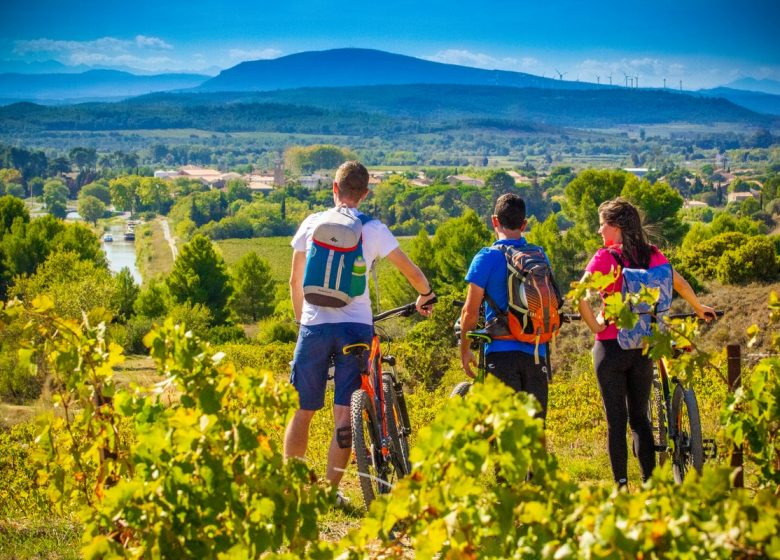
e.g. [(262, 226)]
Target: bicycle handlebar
[(403, 311), (689, 315)]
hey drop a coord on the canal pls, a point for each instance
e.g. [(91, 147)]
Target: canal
[(120, 253)]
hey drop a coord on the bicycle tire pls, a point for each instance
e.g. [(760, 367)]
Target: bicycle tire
[(396, 429), (371, 465), (657, 412), (461, 389), (689, 447)]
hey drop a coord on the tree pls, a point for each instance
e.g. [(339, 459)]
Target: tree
[(83, 158), (11, 208), (455, 244), (55, 197), (124, 192), (97, 189), (254, 288), (152, 300), (91, 208), (238, 190), (154, 194), (589, 189), (199, 276), (500, 182), (125, 294), (661, 205)]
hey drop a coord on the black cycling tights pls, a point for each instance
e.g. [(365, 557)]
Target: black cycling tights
[(625, 379)]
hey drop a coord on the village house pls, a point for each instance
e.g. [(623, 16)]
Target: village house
[(466, 180)]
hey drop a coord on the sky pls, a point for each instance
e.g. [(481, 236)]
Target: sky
[(703, 43)]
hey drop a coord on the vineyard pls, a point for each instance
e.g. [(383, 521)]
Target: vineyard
[(191, 465)]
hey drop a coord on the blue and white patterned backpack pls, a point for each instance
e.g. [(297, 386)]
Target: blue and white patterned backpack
[(634, 279)]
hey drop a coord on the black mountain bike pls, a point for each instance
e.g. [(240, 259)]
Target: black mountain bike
[(674, 415)]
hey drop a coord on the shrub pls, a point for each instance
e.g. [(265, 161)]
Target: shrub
[(274, 330), (755, 260), (225, 333)]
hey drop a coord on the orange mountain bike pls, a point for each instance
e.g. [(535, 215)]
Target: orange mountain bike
[(380, 420)]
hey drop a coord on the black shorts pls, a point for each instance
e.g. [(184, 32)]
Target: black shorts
[(520, 372)]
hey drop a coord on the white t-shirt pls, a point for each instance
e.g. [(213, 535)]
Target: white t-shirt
[(378, 242)]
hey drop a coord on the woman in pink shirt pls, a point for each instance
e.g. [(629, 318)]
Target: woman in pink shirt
[(625, 376)]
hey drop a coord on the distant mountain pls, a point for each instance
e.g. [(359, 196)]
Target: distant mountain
[(92, 85), (365, 67), (39, 67), (386, 109), (753, 100), (752, 84)]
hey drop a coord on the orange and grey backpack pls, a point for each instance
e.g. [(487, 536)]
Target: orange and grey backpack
[(534, 299)]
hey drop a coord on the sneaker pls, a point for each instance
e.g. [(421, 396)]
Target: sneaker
[(341, 499)]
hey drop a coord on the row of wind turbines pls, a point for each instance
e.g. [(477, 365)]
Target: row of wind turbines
[(630, 81)]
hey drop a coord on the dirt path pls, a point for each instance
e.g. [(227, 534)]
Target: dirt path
[(169, 238)]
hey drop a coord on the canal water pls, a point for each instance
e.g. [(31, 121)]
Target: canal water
[(121, 253)]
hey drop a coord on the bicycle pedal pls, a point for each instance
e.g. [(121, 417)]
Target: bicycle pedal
[(389, 360), (710, 448)]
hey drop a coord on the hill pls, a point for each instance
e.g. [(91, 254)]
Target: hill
[(388, 109), (93, 84), (752, 84), (754, 100), (365, 67)]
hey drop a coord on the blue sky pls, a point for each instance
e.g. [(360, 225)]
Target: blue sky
[(703, 43)]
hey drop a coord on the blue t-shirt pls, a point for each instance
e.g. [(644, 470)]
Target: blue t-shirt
[(488, 270)]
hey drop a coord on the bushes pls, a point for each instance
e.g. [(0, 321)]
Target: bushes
[(754, 260), (731, 258)]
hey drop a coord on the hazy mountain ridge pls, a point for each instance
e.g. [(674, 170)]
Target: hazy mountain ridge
[(95, 84), (754, 100), (752, 84)]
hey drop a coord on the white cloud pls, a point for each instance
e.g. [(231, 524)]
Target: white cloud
[(253, 54), (463, 57), (142, 52), (151, 42)]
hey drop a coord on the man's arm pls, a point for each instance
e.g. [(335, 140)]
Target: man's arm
[(469, 316), (296, 282), (415, 276)]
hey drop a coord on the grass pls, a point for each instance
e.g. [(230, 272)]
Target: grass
[(153, 254), (41, 539)]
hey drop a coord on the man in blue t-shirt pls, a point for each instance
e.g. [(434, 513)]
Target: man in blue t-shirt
[(511, 361)]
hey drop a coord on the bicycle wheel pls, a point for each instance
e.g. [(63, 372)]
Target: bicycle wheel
[(686, 432), (461, 389), (396, 430), (657, 413), (371, 464)]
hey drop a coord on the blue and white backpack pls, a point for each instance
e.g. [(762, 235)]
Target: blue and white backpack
[(335, 269), (634, 279)]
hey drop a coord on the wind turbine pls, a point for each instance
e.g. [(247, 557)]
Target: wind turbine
[(626, 77), (560, 74), (598, 79), (610, 79), (664, 83), (637, 81)]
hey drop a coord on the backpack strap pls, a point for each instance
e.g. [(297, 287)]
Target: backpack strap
[(616, 255)]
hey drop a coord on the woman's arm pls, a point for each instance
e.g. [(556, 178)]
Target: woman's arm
[(682, 287), (586, 312)]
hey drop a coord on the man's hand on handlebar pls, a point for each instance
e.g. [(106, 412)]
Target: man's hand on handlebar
[(467, 359), (424, 304)]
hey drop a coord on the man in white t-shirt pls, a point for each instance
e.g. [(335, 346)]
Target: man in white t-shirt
[(324, 331)]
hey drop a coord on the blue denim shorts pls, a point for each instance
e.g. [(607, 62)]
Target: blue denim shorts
[(317, 345)]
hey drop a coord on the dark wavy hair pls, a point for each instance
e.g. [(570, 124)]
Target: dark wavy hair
[(622, 214)]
